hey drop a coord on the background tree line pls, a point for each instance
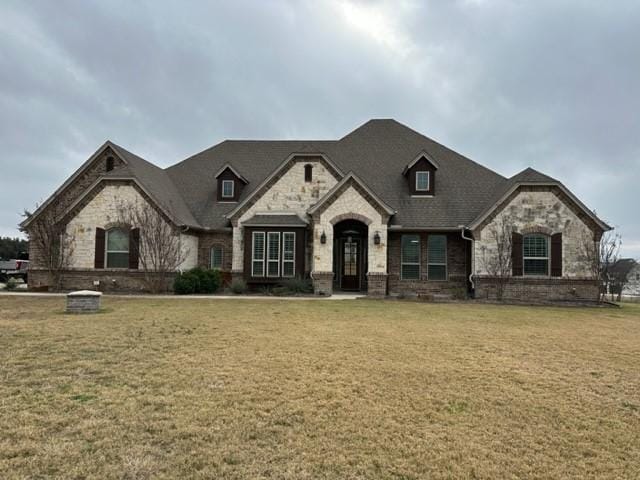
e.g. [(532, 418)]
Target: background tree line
[(11, 248)]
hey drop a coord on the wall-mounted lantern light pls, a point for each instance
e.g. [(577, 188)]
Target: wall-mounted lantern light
[(376, 238), (323, 238)]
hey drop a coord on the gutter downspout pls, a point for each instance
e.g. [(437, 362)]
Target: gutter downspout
[(469, 239)]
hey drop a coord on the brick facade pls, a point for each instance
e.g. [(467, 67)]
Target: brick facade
[(457, 267), (208, 240), (123, 281), (547, 289)]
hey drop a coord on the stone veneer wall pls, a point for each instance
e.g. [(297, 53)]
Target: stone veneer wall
[(101, 211), (74, 190), (289, 194), (350, 204), (455, 285), (540, 209)]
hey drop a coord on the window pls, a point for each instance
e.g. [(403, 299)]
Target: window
[(437, 257), (109, 164), (535, 253), (273, 254), (308, 173), (257, 255), (288, 254), (216, 257), (227, 188), (117, 251), (422, 181), (410, 257)]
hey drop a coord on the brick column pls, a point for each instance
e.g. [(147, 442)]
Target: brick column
[(377, 284), (322, 283)]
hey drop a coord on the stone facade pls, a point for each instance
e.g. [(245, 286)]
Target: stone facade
[(288, 194), (75, 190), (101, 211), (457, 267), (540, 209), (350, 204)]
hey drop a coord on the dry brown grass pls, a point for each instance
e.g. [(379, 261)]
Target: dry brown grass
[(317, 389)]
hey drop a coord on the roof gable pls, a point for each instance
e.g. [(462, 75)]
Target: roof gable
[(277, 173), (421, 155), (227, 166), (350, 180)]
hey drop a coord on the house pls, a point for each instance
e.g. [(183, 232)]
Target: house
[(383, 210), (624, 277)]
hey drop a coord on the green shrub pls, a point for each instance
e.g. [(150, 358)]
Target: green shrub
[(11, 284), (238, 286), (197, 280), (185, 284)]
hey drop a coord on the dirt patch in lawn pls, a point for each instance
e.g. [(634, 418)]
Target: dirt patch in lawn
[(353, 389)]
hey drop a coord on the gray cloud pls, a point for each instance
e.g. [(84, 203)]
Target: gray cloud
[(553, 85)]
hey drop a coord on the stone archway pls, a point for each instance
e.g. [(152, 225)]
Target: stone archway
[(350, 254)]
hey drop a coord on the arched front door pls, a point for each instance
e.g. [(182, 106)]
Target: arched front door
[(350, 255)]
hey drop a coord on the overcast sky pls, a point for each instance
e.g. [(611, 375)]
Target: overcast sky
[(553, 85)]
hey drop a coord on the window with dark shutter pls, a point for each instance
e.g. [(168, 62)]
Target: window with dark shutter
[(308, 173), (556, 255), (134, 248), (99, 252), (516, 254)]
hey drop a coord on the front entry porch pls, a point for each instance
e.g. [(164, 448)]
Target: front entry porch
[(350, 256)]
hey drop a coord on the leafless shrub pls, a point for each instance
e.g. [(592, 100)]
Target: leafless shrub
[(497, 263), (159, 248), (601, 256), (48, 235)]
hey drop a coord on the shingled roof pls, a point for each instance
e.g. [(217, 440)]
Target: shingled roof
[(377, 152)]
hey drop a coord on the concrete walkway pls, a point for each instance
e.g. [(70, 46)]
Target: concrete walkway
[(336, 296)]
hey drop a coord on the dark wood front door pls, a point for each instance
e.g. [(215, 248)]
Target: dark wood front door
[(350, 252)]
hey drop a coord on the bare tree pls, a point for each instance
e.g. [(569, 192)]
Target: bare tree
[(601, 256), (158, 244), (54, 245), (497, 261)]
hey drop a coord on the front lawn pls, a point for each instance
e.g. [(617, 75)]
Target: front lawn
[(317, 389)]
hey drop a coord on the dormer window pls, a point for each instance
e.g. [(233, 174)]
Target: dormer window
[(110, 163), (421, 175), (422, 181), (230, 184), (227, 188)]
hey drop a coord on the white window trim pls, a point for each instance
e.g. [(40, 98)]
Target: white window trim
[(293, 261), (268, 260), (107, 251), (446, 267), (402, 263), (232, 188), (428, 181), (547, 258), (253, 253), (211, 257)]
